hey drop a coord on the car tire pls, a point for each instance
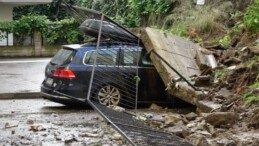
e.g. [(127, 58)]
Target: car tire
[(109, 95)]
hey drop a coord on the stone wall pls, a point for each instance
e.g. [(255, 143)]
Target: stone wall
[(27, 51)]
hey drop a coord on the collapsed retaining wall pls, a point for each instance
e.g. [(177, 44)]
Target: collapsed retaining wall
[(182, 55)]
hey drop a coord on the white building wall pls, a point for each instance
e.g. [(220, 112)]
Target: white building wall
[(6, 14)]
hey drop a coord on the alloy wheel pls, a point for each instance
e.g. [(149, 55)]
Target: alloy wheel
[(109, 95)]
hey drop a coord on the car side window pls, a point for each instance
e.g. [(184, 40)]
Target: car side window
[(105, 57), (145, 59), (130, 56)]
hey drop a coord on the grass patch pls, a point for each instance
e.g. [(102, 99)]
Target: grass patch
[(251, 62), (206, 19), (178, 29), (221, 73), (251, 19), (249, 96), (225, 42)]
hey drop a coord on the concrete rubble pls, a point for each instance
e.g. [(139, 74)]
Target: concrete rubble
[(222, 76), (187, 58)]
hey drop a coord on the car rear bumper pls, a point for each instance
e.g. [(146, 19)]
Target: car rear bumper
[(59, 97)]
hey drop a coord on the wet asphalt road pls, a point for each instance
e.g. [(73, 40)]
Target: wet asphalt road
[(37, 105), (43, 123), (22, 75)]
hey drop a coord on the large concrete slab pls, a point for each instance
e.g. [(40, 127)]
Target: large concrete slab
[(180, 54)]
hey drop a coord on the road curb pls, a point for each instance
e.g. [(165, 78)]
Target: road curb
[(26, 95)]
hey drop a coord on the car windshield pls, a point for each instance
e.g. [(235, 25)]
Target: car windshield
[(63, 57)]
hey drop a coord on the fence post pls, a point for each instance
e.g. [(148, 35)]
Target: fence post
[(37, 43)]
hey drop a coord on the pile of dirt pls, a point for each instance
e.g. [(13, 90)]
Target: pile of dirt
[(232, 81), (233, 84)]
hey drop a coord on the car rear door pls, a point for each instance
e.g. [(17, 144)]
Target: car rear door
[(106, 66)]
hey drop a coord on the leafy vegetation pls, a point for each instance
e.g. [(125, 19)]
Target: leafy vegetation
[(30, 24), (250, 97), (131, 13), (179, 29), (66, 29), (221, 73), (251, 19), (53, 11), (251, 62), (179, 17), (7, 27), (225, 42)]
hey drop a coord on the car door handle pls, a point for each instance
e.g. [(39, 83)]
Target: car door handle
[(125, 76)]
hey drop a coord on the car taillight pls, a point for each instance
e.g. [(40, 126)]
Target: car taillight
[(64, 73)]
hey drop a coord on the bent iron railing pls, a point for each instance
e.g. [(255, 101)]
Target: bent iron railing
[(116, 69)]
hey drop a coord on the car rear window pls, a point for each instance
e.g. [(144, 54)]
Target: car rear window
[(63, 56)]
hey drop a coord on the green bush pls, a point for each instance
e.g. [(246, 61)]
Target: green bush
[(7, 27), (140, 10), (30, 24), (66, 29), (251, 19)]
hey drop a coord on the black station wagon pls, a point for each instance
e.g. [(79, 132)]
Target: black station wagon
[(67, 75)]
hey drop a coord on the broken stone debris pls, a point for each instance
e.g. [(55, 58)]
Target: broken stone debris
[(8, 125), (191, 116), (37, 127), (207, 129), (220, 119), (88, 134), (155, 107), (218, 126), (180, 54), (116, 108)]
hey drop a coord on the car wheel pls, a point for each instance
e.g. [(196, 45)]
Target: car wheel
[(109, 95)]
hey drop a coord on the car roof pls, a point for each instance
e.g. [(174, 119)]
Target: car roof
[(89, 45)]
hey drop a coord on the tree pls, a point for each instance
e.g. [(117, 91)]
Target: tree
[(54, 11)]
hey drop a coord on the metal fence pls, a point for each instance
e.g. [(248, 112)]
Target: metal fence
[(113, 89)]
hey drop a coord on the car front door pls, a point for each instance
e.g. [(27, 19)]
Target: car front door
[(151, 86)]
